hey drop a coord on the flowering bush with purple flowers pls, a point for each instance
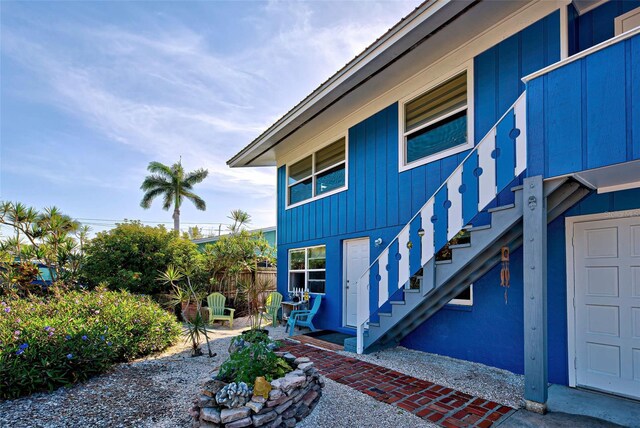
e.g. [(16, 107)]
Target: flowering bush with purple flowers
[(48, 343)]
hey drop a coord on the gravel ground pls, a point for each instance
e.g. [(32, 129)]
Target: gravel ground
[(476, 379), (342, 407), (152, 392), (157, 391)]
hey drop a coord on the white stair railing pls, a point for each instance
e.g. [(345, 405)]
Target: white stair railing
[(487, 170)]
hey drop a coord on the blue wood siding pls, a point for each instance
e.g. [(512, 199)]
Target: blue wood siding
[(380, 199), (379, 196), (499, 69), (586, 114), (597, 25), (490, 332)]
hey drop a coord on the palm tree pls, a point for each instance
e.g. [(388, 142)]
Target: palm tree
[(174, 185)]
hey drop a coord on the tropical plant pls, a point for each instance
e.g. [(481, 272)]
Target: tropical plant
[(255, 292), (241, 220), (174, 185), (249, 362), (130, 256), (185, 294), (50, 342), (49, 237), (239, 252), (195, 232)]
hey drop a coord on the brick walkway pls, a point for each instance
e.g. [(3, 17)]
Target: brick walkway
[(432, 402)]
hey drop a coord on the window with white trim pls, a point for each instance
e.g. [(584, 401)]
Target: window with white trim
[(318, 174), (307, 269), (464, 298), (435, 123)]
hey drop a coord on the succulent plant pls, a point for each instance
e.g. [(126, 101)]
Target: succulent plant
[(234, 395)]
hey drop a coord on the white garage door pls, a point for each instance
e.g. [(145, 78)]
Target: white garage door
[(607, 305)]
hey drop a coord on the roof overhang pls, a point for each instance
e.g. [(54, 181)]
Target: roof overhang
[(425, 20), (612, 178)]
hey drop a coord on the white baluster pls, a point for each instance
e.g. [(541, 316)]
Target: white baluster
[(454, 196), (520, 111), (487, 181), (403, 265), (383, 285), (427, 240)]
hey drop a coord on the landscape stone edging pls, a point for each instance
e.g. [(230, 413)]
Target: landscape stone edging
[(291, 399)]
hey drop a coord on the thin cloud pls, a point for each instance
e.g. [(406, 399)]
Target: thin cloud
[(171, 94)]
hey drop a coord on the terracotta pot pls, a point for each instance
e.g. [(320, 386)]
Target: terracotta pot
[(191, 310)]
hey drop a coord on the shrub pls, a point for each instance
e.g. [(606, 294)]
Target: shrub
[(256, 359), (130, 256), (45, 344), (256, 336)]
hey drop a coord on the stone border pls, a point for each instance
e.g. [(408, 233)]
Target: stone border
[(291, 399)]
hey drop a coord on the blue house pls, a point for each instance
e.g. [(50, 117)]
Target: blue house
[(469, 185), (268, 233)]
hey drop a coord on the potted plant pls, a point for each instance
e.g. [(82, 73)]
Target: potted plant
[(189, 298)]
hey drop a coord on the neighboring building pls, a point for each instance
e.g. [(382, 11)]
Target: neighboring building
[(515, 121), (269, 234)]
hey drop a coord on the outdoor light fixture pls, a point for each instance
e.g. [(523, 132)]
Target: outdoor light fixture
[(378, 242), (421, 232)]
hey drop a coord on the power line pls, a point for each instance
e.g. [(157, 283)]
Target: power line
[(113, 221)]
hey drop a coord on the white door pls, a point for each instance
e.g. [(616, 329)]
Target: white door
[(607, 305), (356, 262)]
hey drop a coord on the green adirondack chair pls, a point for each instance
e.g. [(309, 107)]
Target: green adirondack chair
[(304, 318), (216, 302), (271, 307)]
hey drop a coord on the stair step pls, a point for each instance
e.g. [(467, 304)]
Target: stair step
[(516, 188), (444, 262), (501, 208), (385, 314), (411, 290), (451, 247), (397, 302), (481, 227), (374, 324)]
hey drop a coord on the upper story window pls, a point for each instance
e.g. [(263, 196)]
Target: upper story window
[(436, 122), (319, 174)]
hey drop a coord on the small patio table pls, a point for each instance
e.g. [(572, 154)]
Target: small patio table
[(289, 306)]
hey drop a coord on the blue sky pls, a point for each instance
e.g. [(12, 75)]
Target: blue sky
[(91, 92)]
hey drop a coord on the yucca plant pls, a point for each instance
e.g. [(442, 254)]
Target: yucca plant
[(185, 294), (255, 294)]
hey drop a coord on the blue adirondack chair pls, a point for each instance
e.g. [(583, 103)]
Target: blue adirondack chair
[(304, 318)]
